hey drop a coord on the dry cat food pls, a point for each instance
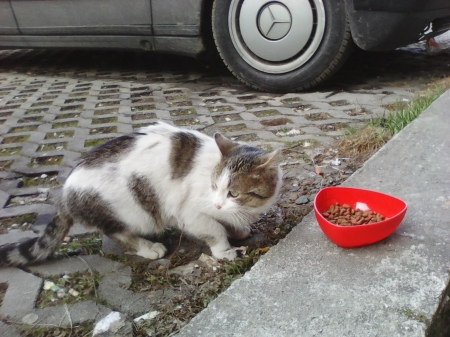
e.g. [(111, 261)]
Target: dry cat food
[(346, 216)]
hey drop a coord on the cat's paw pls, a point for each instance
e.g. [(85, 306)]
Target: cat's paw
[(152, 251), (229, 254)]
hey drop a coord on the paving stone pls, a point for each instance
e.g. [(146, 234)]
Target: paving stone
[(71, 265), (15, 304), (65, 315), (125, 300), (8, 331)]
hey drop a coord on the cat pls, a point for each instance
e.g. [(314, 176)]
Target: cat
[(161, 176)]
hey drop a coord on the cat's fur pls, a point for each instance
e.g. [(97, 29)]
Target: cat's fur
[(139, 184)]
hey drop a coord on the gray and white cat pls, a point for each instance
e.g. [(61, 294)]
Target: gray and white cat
[(162, 176)]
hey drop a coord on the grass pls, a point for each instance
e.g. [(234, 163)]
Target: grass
[(360, 144), (396, 121)]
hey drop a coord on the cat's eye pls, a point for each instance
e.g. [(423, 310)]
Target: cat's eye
[(233, 194)]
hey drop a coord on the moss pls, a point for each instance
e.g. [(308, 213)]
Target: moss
[(251, 137), (6, 113), (182, 103), (38, 104), (104, 120), (24, 129), (143, 107), (291, 100), (339, 103), (69, 115), (72, 107), (37, 180), (183, 112), (176, 97), (112, 111), (5, 165), (140, 89), (109, 91), (186, 122), (61, 134), (24, 222), (31, 119), (221, 108), (332, 127), (48, 97), (142, 116), (318, 116), (10, 151), (103, 130), (232, 128), (36, 111), (266, 113), (141, 125), (209, 94), (415, 316), (47, 160), (95, 142), (3, 288), (65, 124), (227, 118), (256, 105), (79, 94), (15, 139), (103, 104)]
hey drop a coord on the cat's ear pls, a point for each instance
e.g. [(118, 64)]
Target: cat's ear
[(271, 159), (225, 145)]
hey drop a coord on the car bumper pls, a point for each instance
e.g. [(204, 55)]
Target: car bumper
[(379, 25)]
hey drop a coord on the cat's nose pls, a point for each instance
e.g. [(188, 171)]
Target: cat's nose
[(218, 206)]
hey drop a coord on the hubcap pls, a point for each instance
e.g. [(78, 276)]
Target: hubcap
[(276, 36), (274, 21)]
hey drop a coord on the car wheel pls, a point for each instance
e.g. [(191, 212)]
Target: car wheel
[(281, 45)]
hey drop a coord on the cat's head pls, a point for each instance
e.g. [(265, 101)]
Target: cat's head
[(246, 177)]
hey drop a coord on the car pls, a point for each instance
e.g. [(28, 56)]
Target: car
[(271, 45)]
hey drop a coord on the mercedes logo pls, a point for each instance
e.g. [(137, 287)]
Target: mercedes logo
[(274, 21)]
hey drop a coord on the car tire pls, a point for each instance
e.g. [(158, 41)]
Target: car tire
[(282, 45)]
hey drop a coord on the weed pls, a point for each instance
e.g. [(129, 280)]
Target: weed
[(85, 284)]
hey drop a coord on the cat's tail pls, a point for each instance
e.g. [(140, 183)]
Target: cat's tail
[(39, 248)]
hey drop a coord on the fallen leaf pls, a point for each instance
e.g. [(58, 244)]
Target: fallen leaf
[(263, 250)]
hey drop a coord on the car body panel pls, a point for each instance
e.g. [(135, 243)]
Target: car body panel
[(74, 17), (7, 21), (176, 17), (400, 6), (178, 26), (387, 25)]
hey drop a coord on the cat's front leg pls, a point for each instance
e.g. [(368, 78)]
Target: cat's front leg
[(214, 234)]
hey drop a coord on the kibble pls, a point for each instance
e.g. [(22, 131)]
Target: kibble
[(347, 216)]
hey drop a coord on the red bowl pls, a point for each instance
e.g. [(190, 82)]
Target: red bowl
[(394, 210)]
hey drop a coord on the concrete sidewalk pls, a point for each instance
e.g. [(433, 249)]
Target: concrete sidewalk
[(307, 286)]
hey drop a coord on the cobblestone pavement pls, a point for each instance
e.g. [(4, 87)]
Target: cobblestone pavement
[(56, 105)]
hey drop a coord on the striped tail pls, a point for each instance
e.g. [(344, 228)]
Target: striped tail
[(39, 248)]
